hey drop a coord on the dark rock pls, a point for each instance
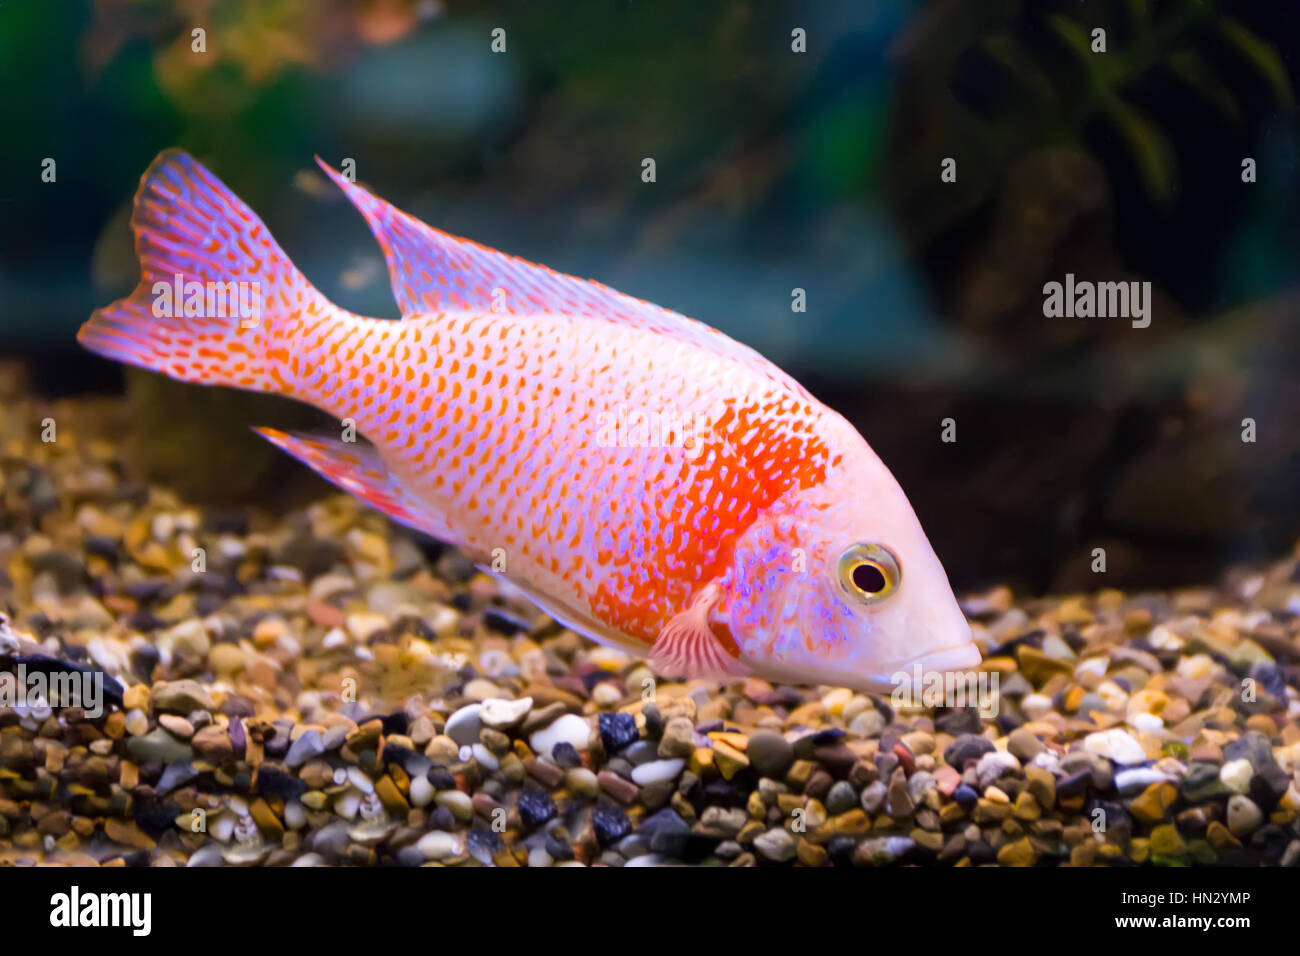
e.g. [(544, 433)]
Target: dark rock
[(535, 807), (617, 731), (482, 843), (566, 755), (1201, 783), (1074, 784), (557, 848), (958, 720), (273, 781), (503, 622), (770, 754), (966, 748), (611, 824), (665, 832), (442, 819)]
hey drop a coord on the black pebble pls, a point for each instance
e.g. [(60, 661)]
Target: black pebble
[(840, 849), (1074, 784), (958, 720), (485, 840), (101, 546), (503, 622), (654, 722), (617, 731), (965, 795), (442, 819), (558, 849), (965, 748), (440, 779), (535, 807), (143, 660), (271, 780), (566, 755), (611, 824), (665, 832)]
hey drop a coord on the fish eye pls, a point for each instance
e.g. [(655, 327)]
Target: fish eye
[(869, 572)]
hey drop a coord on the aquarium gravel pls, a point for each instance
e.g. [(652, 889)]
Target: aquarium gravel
[(316, 687)]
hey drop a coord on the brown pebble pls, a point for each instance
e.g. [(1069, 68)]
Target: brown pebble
[(624, 791)]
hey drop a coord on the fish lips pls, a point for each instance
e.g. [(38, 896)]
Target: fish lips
[(959, 657)]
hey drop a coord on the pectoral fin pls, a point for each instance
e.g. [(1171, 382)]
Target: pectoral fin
[(690, 647)]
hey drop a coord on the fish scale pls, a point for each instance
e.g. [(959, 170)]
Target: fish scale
[(489, 412)]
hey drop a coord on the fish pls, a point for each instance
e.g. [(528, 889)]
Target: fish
[(649, 482)]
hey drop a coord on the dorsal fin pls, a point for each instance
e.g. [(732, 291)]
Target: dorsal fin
[(432, 271)]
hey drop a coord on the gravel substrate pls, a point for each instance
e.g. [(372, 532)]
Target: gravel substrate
[(326, 694)]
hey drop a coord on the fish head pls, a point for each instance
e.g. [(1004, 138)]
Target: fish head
[(843, 588)]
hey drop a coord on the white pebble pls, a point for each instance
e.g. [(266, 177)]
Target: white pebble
[(485, 758), (438, 845), (221, 826), (295, 815), (1117, 745), (347, 804), (499, 713), (1036, 706), (1146, 722), (657, 770), (1236, 774), (421, 791), (465, 725), (569, 728), (358, 779), (1138, 779)]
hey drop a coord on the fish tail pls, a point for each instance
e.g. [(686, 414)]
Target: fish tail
[(217, 300)]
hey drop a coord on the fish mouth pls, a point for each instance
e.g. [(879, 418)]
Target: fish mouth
[(959, 657)]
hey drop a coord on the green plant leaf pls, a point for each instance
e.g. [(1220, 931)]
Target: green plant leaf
[(1263, 56)]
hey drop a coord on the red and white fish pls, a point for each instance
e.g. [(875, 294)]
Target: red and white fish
[(648, 481)]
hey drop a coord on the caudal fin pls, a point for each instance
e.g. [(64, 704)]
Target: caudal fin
[(215, 292)]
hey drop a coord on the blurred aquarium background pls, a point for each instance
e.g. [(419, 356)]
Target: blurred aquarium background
[(775, 171)]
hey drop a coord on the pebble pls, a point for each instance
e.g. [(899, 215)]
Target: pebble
[(1244, 816), (501, 714), (466, 725), (1235, 775), (617, 731), (775, 844), (657, 771), (307, 746), (1116, 745), (1024, 744), (770, 754), (678, 738), (570, 729), (966, 748), (158, 746), (437, 845)]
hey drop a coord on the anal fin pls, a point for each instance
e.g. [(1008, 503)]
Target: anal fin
[(359, 470), (577, 620)]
